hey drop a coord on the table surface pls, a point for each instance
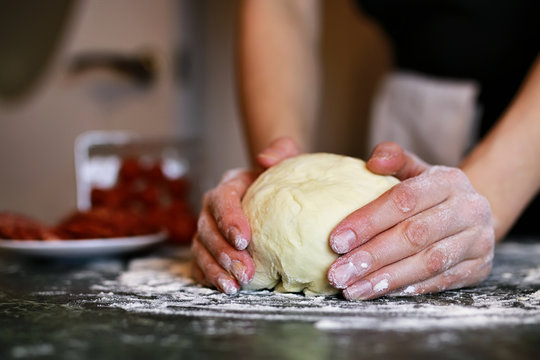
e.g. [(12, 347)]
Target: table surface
[(145, 306)]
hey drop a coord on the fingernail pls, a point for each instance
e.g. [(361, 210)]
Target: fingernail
[(359, 291), (382, 155), (343, 241), (239, 271), (225, 261), (226, 285), (268, 159), (234, 235), (240, 242), (268, 155), (358, 265), (341, 275)]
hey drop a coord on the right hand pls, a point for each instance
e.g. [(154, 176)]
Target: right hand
[(223, 231)]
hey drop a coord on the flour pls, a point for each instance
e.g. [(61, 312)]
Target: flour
[(535, 295), (162, 285), (533, 276), (381, 285), (33, 351), (410, 290)]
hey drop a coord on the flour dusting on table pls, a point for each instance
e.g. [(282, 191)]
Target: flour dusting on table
[(162, 285)]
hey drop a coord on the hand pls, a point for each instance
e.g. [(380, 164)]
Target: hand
[(223, 231), (430, 233)]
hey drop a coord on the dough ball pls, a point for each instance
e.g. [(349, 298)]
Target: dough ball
[(293, 207)]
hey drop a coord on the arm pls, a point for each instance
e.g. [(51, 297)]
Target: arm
[(504, 167), (278, 71)]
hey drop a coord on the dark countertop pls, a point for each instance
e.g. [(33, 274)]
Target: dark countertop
[(144, 306)]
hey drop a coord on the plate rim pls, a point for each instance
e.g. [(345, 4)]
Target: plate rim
[(47, 247)]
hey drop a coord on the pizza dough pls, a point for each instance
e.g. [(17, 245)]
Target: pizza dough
[(292, 209)]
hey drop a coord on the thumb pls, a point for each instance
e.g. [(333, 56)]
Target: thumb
[(389, 158), (279, 150)]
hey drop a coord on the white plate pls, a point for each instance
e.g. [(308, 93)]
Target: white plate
[(81, 248)]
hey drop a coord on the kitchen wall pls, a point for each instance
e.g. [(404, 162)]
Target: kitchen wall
[(193, 94), (37, 132)]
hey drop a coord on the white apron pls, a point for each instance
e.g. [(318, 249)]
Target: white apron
[(431, 117)]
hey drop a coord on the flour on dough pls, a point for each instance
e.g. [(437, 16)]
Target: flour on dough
[(293, 207)]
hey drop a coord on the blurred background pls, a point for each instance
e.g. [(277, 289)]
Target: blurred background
[(158, 68)]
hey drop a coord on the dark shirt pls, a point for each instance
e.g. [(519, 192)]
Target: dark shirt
[(493, 42)]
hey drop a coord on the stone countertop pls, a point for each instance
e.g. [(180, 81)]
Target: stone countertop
[(146, 306)]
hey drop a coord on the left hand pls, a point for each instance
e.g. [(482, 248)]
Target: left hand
[(430, 233), (223, 231)]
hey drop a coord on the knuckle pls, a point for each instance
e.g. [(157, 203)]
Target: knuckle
[(233, 192), (453, 174), (449, 278), (486, 241), (482, 208), (206, 198), (437, 261), (288, 146), (209, 196), (486, 259), (486, 269), (231, 175), (456, 278), (453, 177), (481, 271), (482, 203), (415, 233), (404, 198), (195, 247), (223, 196), (458, 176), (201, 223), (369, 229)]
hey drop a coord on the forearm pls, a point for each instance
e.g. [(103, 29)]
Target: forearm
[(278, 71), (505, 166)]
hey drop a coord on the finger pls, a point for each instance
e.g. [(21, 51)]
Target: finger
[(225, 204), (214, 273), (238, 263), (279, 150), (466, 273), (389, 158), (402, 201), (198, 275), (401, 241), (420, 267)]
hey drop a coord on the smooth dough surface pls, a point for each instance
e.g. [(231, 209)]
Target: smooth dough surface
[(293, 207)]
